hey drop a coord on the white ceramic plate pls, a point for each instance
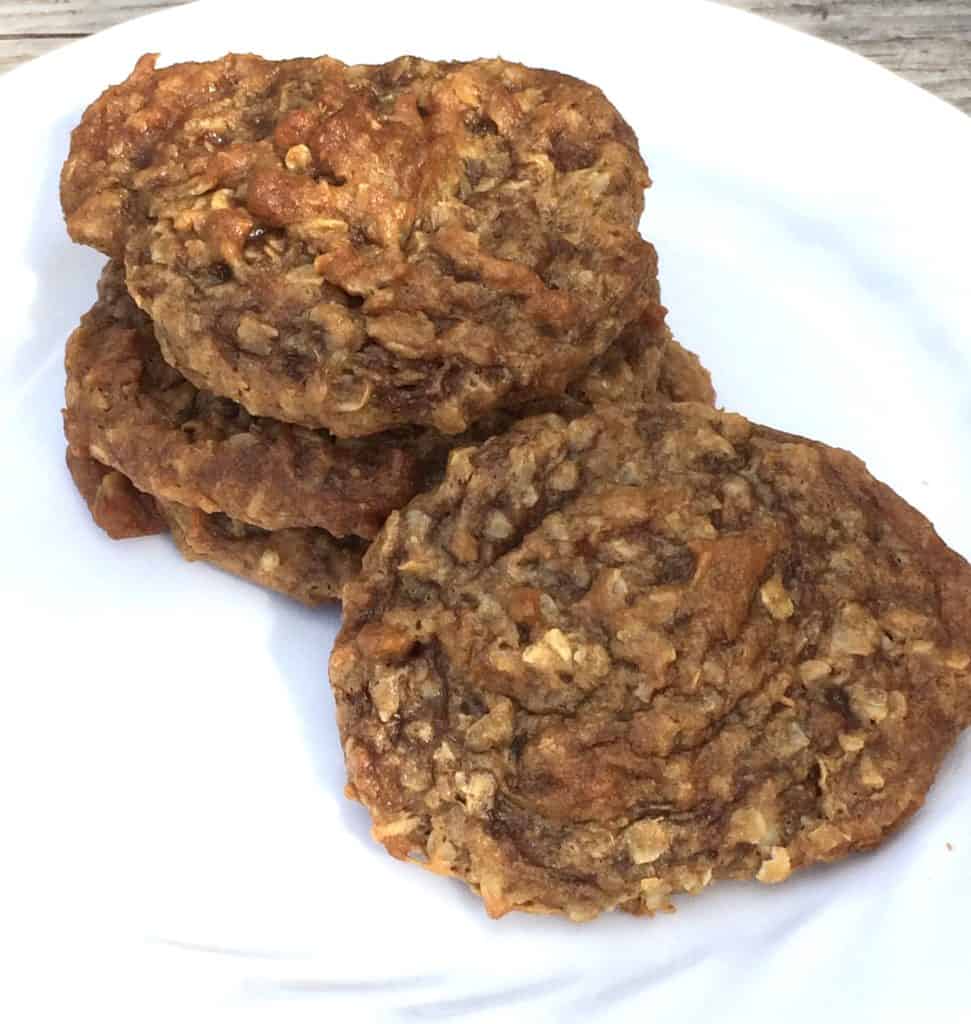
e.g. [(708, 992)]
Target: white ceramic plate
[(176, 845)]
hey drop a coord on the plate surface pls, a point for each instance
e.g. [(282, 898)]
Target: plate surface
[(177, 846)]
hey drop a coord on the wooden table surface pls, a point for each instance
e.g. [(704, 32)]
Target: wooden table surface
[(927, 41)]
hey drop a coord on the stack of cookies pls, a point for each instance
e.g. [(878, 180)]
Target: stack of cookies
[(324, 278), (391, 334)]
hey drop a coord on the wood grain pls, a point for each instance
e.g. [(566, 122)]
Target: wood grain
[(29, 28), (927, 41)]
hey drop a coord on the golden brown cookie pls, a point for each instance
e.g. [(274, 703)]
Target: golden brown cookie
[(307, 564), (610, 659), (127, 408), (364, 247), (119, 508)]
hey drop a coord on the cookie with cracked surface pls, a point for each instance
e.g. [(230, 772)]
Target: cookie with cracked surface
[(363, 247), (610, 659), (306, 564), (127, 408)]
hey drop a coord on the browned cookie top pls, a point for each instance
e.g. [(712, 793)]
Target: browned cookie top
[(363, 247), (608, 660), (128, 408)]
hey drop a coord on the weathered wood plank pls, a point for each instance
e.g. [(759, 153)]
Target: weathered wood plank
[(927, 41), (14, 52), (69, 17)]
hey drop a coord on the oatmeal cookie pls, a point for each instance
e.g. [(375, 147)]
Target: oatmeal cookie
[(119, 508), (307, 564), (612, 658), (127, 408), (364, 247)]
